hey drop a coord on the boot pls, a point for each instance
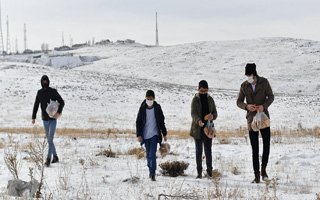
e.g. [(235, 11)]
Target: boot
[(153, 178), (47, 163), (264, 174), (257, 177), (55, 159), (199, 175)]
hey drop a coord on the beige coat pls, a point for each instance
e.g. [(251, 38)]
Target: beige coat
[(263, 95)]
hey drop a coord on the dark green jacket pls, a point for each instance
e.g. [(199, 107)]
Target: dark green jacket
[(263, 95), (196, 114)]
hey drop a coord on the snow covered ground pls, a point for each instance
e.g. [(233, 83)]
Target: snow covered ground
[(107, 94), (293, 164)]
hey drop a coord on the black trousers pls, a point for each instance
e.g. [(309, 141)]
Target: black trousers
[(254, 140), (206, 143)]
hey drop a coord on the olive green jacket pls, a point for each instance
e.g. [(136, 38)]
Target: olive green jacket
[(263, 95), (196, 114)]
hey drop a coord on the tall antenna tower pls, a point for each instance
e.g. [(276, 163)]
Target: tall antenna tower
[(62, 39), (8, 37), (157, 38), (17, 50), (1, 36), (25, 36), (71, 41)]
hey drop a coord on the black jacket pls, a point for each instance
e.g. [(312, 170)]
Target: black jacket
[(141, 120), (43, 97)]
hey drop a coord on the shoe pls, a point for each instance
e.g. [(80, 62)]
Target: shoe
[(47, 163), (209, 173), (199, 175), (264, 174), (153, 178), (55, 159), (257, 177)]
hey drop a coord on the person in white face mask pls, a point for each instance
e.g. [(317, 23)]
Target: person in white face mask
[(150, 129), (258, 94)]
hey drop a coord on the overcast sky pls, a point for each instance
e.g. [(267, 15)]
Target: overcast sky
[(180, 21)]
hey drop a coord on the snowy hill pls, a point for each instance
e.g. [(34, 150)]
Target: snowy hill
[(107, 93)]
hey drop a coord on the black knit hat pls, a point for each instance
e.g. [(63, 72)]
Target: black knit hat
[(203, 84), (150, 93), (251, 69)]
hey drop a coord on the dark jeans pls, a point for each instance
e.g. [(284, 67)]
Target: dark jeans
[(254, 140), (151, 149), (207, 143)]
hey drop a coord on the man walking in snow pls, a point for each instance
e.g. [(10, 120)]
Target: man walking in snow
[(203, 109), (259, 96), (150, 128), (43, 98)]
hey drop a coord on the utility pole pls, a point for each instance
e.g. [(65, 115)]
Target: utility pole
[(62, 39), (8, 38), (17, 51), (1, 36), (25, 36), (157, 37), (71, 41)]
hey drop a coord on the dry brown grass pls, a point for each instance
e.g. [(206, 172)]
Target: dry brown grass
[(181, 134), (72, 132), (107, 152), (173, 168), (137, 151), (1, 145)]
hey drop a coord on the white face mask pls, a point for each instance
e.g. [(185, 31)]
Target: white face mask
[(149, 102), (250, 79)]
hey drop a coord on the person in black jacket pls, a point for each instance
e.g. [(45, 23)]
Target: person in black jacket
[(150, 127), (43, 98)]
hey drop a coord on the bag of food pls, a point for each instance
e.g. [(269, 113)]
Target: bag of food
[(52, 108), (209, 130), (164, 149), (260, 121)]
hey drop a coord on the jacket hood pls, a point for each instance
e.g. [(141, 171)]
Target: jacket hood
[(44, 77)]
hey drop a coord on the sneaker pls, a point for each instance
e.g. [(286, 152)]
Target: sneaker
[(47, 163), (55, 159), (264, 174), (257, 177)]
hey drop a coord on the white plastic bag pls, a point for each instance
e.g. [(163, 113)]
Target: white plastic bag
[(52, 108), (209, 130), (260, 121)]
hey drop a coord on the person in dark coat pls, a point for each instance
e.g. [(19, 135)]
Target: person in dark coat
[(44, 95), (203, 108), (150, 129), (259, 96)]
